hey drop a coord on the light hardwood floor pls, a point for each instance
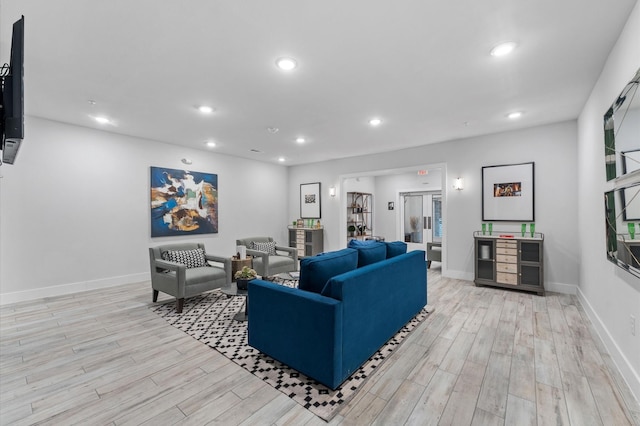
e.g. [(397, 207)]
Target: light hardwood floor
[(484, 357)]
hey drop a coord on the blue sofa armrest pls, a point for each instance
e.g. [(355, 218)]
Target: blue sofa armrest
[(298, 328)]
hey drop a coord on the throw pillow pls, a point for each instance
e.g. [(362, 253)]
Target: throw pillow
[(369, 251), (269, 247), (315, 271), (395, 248), (190, 258)]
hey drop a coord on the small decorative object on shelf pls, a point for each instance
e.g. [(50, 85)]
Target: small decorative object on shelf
[(484, 229), (243, 277), (632, 230), (524, 229)]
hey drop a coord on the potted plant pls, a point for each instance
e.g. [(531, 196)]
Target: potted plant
[(243, 277), (352, 230)]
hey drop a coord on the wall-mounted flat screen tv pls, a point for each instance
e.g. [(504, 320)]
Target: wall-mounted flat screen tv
[(12, 108)]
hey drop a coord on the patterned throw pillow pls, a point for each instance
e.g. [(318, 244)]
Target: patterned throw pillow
[(190, 258), (269, 247)]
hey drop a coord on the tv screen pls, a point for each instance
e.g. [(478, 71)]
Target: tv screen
[(12, 110)]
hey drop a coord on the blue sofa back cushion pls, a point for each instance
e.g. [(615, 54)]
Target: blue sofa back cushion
[(317, 270), (395, 248), (369, 251)]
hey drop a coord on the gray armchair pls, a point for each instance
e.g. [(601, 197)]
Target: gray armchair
[(177, 280), (266, 265)]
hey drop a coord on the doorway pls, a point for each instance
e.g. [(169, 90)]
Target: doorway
[(422, 220)]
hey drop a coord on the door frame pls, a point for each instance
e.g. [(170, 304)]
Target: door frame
[(342, 234)]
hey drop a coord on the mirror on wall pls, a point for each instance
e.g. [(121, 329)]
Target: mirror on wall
[(622, 208), (622, 132)]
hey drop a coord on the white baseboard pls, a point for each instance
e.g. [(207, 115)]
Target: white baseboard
[(548, 286), (61, 290), (561, 288), (458, 275), (629, 375)]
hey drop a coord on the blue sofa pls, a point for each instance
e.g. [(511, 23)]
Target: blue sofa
[(341, 313)]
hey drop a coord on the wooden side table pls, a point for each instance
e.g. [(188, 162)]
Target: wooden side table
[(238, 264)]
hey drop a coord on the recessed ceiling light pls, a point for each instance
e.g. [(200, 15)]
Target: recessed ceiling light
[(300, 140), (186, 161), (254, 150), (102, 120), (273, 129), (375, 121), (286, 64), (205, 109), (514, 115), (281, 159), (503, 49), (210, 144)]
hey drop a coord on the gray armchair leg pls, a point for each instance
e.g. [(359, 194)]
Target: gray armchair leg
[(155, 295), (179, 305)]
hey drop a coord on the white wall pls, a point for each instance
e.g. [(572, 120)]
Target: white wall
[(74, 209), (609, 294), (552, 148)]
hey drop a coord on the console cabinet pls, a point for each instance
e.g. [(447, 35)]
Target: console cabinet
[(515, 262), (307, 241)]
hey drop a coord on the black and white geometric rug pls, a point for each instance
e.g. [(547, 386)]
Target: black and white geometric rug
[(209, 318)]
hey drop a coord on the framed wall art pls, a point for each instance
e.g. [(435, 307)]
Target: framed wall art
[(183, 202), (508, 193), (310, 200)]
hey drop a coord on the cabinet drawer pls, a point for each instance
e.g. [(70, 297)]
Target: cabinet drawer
[(508, 251), (507, 278), (507, 267), (507, 244), (506, 258)]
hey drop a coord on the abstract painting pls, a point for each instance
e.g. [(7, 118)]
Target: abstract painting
[(183, 202)]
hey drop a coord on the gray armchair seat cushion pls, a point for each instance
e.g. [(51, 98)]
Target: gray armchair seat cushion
[(201, 274)]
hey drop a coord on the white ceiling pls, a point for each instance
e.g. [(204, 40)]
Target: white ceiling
[(423, 66)]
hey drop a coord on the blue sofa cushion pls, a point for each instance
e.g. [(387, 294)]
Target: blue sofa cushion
[(317, 270), (369, 251), (395, 248)]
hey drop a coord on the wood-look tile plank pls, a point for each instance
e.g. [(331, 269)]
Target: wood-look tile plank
[(547, 369), (493, 394), (521, 412), (581, 406), (461, 404), (428, 408), (522, 380), (484, 418), (551, 407), (400, 406)]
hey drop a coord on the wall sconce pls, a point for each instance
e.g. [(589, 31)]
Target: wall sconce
[(332, 191), (458, 184)]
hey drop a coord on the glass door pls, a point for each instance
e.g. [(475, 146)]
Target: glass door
[(421, 219)]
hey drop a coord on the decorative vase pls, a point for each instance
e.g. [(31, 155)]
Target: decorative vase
[(242, 283)]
